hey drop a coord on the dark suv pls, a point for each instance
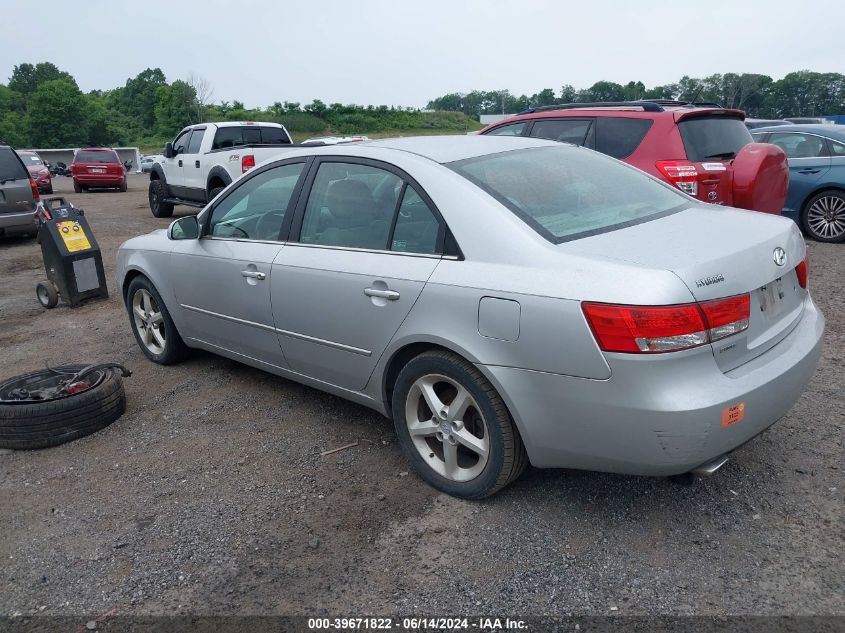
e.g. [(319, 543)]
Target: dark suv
[(704, 150), (18, 194)]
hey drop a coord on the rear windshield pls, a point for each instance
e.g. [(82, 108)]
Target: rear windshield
[(565, 193), (234, 136), (713, 137), (95, 157), (30, 158), (10, 165)]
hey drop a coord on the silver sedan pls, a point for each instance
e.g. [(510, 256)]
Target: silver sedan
[(505, 301)]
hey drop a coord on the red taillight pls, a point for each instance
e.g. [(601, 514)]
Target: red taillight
[(680, 173), (654, 329), (247, 163), (35, 195), (802, 270)]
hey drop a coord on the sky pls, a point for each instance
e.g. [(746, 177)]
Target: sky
[(406, 53)]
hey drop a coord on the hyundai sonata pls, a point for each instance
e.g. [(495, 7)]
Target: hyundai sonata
[(505, 301)]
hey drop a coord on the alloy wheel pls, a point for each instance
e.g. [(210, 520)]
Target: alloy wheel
[(447, 427), (149, 321), (826, 217)]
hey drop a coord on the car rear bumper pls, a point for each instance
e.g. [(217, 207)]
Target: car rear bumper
[(23, 222), (99, 180), (658, 415)]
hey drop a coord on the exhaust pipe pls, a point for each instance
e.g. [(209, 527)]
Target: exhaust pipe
[(710, 467)]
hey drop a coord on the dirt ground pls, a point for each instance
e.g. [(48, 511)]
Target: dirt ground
[(209, 496)]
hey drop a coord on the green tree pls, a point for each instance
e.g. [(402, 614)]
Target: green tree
[(175, 107), (26, 78), (56, 115), (139, 96)]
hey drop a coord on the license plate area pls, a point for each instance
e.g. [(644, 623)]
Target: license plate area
[(772, 299), (97, 170)]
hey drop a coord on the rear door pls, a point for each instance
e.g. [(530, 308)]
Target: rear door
[(809, 163), (15, 189), (570, 130), (369, 239), (711, 143)]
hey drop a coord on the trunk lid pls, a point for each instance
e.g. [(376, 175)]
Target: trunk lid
[(720, 252)]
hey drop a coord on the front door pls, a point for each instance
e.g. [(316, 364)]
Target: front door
[(223, 279), (173, 167), (368, 244)]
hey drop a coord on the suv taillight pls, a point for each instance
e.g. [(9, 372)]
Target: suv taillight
[(680, 173), (802, 270), (247, 163), (656, 329), (35, 195)]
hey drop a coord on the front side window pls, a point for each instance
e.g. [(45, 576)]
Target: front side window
[(181, 143), (196, 142), (256, 209), (799, 145), (563, 130), (351, 205), (513, 129), (565, 193)]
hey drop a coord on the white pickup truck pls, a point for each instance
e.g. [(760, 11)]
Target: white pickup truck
[(206, 157)]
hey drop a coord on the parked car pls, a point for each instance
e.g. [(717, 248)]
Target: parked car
[(816, 198), (504, 300), (755, 123), (97, 167), (808, 120), (18, 195), (204, 158), (705, 151), (147, 162), (38, 169)]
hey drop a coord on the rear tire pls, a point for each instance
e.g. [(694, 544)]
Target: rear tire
[(77, 187), (158, 206), (213, 193), (823, 216), (481, 434), (124, 186), (154, 330)]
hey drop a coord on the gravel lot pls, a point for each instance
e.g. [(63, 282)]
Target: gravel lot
[(209, 496)]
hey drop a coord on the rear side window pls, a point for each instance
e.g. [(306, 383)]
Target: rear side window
[(563, 130), (10, 165), (514, 129), (95, 157), (274, 136), (836, 148), (416, 229), (619, 137), (565, 193), (713, 137)]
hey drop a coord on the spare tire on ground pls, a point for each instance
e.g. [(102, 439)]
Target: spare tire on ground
[(56, 405)]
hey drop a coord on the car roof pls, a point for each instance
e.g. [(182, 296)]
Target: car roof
[(450, 148), (833, 131)]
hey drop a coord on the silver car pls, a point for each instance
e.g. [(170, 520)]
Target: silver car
[(505, 301)]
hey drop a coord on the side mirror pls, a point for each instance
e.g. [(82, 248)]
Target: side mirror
[(168, 150), (186, 228)]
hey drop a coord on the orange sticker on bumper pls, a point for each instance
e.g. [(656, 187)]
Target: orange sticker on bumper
[(732, 415)]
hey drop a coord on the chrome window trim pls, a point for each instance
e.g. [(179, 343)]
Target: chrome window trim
[(370, 250), (240, 239)]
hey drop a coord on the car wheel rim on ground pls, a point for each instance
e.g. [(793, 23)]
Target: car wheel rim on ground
[(826, 217), (447, 428), (149, 321)]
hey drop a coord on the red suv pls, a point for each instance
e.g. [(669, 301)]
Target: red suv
[(97, 167), (704, 150)]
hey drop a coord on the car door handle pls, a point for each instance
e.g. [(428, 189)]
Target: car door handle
[(180, 162), (254, 274), (390, 295), (196, 164), (808, 170)]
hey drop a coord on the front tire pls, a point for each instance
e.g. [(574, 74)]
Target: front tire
[(154, 330), (454, 428), (823, 217), (158, 206)]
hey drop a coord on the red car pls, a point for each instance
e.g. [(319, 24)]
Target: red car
[(38, 170), (704, 150), (97, 167)]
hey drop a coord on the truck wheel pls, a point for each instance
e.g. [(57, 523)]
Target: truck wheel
[(213, 193), (40, 423), (158, 206), (823, 216), (77, 187), (47, 294)]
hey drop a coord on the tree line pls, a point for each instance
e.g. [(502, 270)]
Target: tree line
[(799, 94), (42, 106)]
